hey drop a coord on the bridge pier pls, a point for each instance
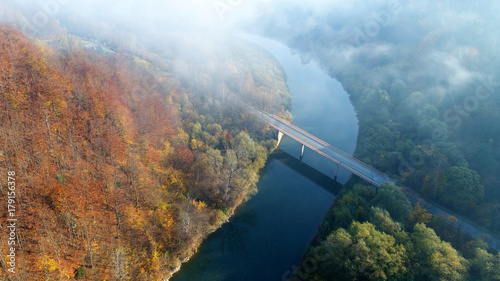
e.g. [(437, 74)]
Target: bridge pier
[(280, 138), (336, 172), (302, 152)]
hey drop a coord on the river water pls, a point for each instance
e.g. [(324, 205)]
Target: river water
[(268, 234)]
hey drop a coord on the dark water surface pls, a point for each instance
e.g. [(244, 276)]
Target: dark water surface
[(268, 234)]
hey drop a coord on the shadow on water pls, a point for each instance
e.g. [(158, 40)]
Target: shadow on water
[(236, 232), (312, 174)]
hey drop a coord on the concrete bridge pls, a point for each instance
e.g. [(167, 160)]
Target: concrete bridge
[(337, 156), (366, 172)]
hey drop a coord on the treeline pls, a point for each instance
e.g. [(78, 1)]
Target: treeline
[(379, 236), (121, 168)]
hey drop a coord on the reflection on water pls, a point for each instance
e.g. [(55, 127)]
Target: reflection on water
[(267, 234), (234, 241), (235, 237)]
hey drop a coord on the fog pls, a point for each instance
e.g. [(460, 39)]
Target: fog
[(438, 48), (350, 33), (421, 74), (348, 29), (361, 35)]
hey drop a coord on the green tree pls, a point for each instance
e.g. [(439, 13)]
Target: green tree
[(209, 139), (214, 129), (464, 190), (196, 130), (383, 221), (391, 198), (428, 127), (484, 266), (363, 253), (353, 204), (433, 259), (244, 147), (337, 264)]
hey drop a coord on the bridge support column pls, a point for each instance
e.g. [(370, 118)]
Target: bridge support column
[(280, 138), (336, 172), (302, 152)]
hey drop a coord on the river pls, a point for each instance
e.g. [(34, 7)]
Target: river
[(268, 234)]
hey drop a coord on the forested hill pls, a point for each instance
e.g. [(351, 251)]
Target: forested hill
[(122, 167), (423, 77)]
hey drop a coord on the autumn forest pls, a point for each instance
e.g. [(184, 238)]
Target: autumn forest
[(124, 171)]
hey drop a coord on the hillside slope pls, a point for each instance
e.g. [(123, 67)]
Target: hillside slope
[(120, 170)]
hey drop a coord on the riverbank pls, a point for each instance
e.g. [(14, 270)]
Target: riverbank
[(299, 169), (232, 143)]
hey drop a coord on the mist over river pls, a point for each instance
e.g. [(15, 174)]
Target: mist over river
[(268, 234)]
